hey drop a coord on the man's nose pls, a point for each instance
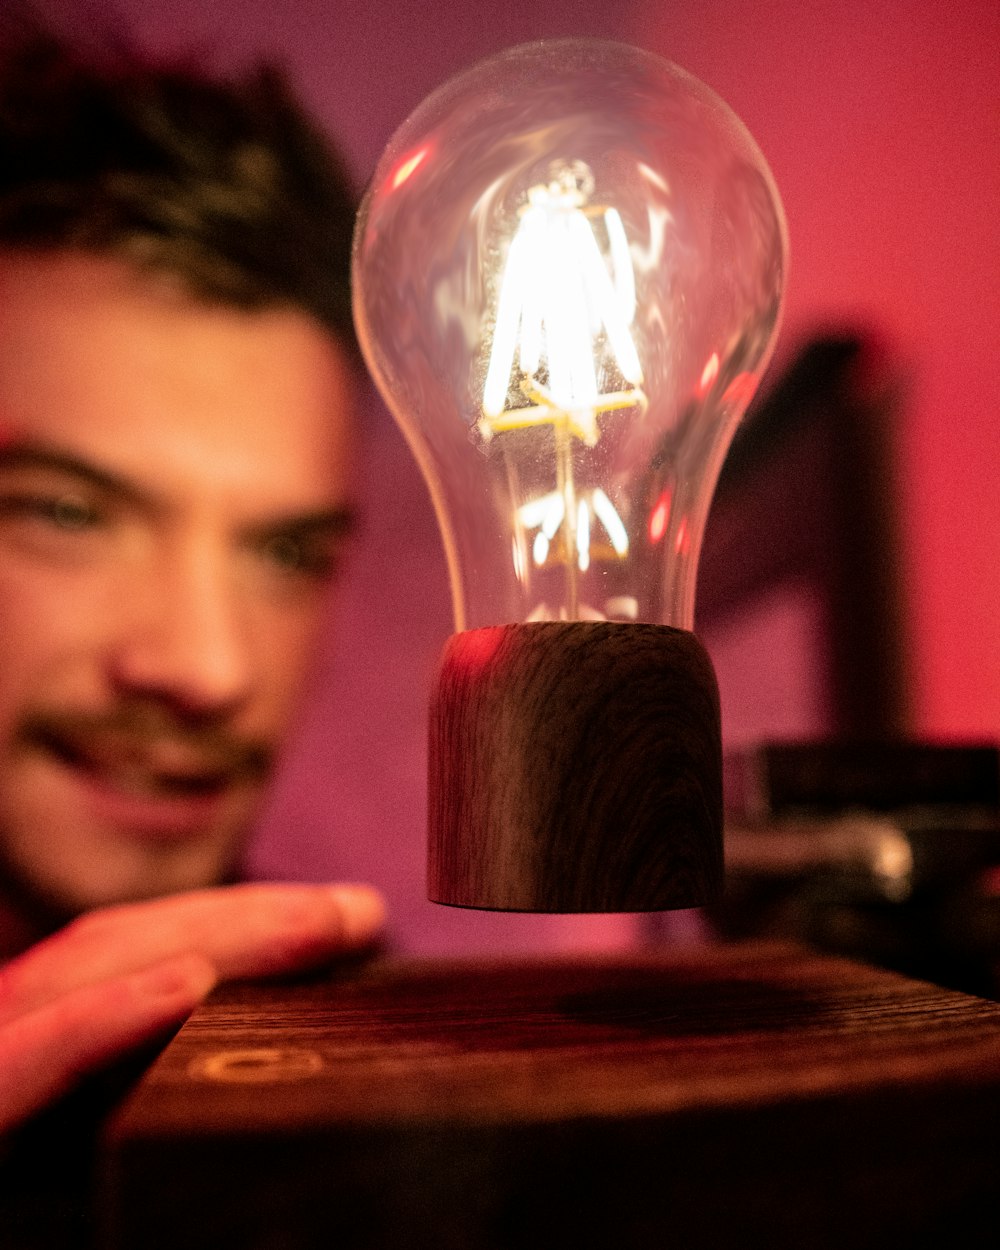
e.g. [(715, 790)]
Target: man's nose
[(182, 637)]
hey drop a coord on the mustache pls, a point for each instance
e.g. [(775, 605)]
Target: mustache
[(138, 731)]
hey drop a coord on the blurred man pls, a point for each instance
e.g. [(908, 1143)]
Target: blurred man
[(176, 374)]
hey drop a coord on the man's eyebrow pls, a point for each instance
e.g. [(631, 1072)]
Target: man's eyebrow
[(324, 522), (334, 522), (31, 455)]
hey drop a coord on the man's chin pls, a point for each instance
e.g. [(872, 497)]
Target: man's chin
[(72, 839), (108, 872)]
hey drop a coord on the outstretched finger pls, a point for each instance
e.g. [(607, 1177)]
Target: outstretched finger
[(243, 931)]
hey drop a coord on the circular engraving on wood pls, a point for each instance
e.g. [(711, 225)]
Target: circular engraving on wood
[(256, 1066), (575, 766)]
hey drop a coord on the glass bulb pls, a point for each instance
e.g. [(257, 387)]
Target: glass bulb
[(568, 275)]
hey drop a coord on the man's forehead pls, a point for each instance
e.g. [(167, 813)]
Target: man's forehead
[(118, 370), (62, 292)]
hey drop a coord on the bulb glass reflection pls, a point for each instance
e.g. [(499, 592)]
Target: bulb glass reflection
[(568, 276)]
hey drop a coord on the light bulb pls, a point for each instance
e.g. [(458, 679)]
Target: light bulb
[(568, 276)]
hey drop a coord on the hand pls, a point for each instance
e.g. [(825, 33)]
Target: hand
[(119, 977)]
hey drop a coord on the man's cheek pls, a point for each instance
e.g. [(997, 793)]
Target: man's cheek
[(289, 662)]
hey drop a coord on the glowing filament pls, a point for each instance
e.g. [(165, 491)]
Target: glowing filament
[(547, 516), (563, 310), (583, 536)]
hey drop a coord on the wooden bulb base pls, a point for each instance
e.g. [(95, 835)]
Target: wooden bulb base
[(575, 766)]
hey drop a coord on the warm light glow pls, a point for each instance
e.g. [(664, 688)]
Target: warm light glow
[(517, 557), (623, 607), (659, 517), (709, 374), (547, 514), (563, 314), (741, 389), (583, 536), (568, 273), (561, 334), (407, 167), (605, 511), (481, 649)]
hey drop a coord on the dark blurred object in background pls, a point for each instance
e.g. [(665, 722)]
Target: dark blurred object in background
[(885, 851), (841, 831), (807, 498)]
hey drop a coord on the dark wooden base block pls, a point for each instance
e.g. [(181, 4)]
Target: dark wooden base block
[(575, 766), (748, 1098)]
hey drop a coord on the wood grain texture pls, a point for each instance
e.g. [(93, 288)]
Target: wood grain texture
[(575, 767), (747, 1096)]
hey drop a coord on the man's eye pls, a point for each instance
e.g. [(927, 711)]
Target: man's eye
[(71, 513), (300, 554), (64, 512)]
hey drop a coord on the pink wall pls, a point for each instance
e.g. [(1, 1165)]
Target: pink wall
[(880, 122)]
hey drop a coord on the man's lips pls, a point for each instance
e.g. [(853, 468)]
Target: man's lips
[(146, 758)]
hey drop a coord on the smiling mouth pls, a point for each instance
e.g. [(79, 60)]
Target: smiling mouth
[(137, 777), (153, 766)]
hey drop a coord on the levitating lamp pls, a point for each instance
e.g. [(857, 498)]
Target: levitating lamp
[(568, 277)]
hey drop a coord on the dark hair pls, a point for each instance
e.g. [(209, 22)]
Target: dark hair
[(226, 185)]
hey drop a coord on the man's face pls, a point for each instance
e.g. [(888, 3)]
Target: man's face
[(174, 479)]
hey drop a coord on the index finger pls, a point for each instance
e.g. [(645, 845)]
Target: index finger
[(243, 931)]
